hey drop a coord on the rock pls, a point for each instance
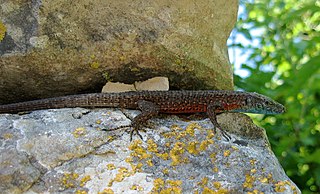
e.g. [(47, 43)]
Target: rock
[(56, 151), (152, 84), (57, 47), (111, 87)]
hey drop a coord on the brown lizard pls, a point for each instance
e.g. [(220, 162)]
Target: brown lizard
[(153, 102)]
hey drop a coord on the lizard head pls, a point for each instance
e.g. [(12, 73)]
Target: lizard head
[(257, 103)]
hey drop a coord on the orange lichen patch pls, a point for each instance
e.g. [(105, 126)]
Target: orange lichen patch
[(137, 188), (84, 180), (106, 191), (111, 166), (3, 31), (7, 136), (176, 153), (249, 181), (79, 132), (192, 147)]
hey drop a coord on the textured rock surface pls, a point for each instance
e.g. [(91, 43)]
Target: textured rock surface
[(65, 151), (58, 47)]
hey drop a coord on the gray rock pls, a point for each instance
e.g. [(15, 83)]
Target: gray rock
[(66, 151), (57, 47)]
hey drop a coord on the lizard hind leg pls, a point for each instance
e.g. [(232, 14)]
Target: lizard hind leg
[(148, 110), (213, 118)]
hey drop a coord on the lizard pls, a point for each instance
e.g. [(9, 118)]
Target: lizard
[(151, 103)]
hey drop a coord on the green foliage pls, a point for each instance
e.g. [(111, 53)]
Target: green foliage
[(285, 65)]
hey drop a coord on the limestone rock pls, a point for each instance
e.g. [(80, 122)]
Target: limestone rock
[(57, 47), (65, 150)]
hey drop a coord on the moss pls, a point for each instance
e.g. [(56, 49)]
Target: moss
[(3, 31)]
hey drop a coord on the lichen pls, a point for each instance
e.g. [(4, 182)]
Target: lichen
[(3, 31)]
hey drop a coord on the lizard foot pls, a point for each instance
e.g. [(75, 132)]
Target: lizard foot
[(132, 131)]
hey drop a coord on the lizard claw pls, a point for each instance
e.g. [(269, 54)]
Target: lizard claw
[(132, 131)]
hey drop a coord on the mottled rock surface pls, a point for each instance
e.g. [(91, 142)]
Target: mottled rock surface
[(57, 47), (65, 150)]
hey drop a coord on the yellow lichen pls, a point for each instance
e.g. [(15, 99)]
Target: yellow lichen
[(281, 186), (226, 153), (98, 121), (158, 184), (7, 136), (81, 192), (204, 181), (95, 65), (249, 181), (69, 180), (106, 191), (138, 151), (3, 31), (176, 153), (252, 162), (79, 132), (204, 144), (210, 134), (191, 128), (253, 170), (217, 185), (192, 147), (137, 188), (164, 156), (152, 146), (84, 180), (149, 162), (165, 171), (176, 183), (136, 168), (213, 157), (111, 166)]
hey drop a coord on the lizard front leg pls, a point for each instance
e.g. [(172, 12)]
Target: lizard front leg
[(211, 112), (148, 110)]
